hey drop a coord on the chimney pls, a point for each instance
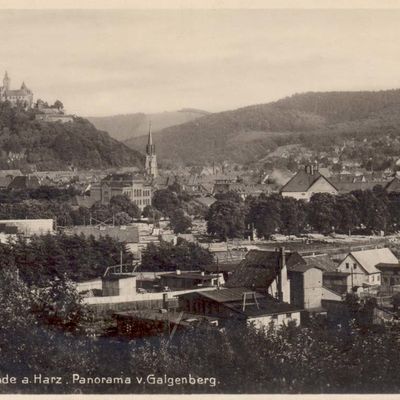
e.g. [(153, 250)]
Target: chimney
[(309, 169), (202, 273), (178, 271)]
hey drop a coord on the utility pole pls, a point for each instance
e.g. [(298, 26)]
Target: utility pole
[(218, 274), (351, 272)]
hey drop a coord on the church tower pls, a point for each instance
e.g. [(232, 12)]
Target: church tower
[(6, 82), (151, 158)]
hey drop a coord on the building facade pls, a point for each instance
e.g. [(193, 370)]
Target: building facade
[(138, 191), (362, 266), (306, 183)]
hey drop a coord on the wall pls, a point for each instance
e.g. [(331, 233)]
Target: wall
[(359, 275), (89, 285), (31, 226), (137, 297), (312, 288), (110, 288), (297, 195), (322, 186), (327, 294), (281, 319), (127, 286), (296, 289), (107, 308)]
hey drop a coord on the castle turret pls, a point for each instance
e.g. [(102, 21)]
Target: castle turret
[(151, 158)]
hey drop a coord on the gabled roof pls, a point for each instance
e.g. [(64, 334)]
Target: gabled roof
[(368, 259), (259, 269), (302, 181), (205, 200), (302, 267), (18, 92), (322, 261), (232, 298)]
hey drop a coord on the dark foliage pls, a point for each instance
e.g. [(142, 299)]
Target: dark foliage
[(53, 145), (47, 257), (316, 121), (168, 257), (369, 210)]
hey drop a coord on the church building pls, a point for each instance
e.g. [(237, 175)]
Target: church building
[(22, 96)]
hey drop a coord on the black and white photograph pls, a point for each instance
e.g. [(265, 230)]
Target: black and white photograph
[(200, 198)]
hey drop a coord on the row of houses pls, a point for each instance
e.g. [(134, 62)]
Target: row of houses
[(267, 287), (310, 181)]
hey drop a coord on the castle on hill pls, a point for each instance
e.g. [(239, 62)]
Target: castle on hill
[(22, 96)]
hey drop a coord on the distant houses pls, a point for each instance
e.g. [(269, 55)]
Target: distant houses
[(311, 180)]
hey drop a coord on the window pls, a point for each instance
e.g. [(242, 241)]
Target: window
[(377, 278), (289, 315), (347, 266), (354, 266)]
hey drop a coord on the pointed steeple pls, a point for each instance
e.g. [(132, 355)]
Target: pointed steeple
[(151, 158), (23, 86), (150, 139), (6, 81), (150, 148)]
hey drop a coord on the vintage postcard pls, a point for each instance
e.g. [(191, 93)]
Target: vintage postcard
[(200, 198)]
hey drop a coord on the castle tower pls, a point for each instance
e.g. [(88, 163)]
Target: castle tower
[(151, 158), (6, 82)]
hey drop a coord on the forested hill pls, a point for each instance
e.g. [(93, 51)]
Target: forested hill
[(26, 143), (126, 126), (252, 132)]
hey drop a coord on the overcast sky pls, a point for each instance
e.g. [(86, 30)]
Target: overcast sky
[(116, 61)]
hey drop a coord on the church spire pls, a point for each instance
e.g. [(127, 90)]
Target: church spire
[(150, 148), (150, 139), (151, 158), (6, 82)]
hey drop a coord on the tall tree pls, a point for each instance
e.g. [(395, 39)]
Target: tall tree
[(265, 215), (226, 219), (322, 214)]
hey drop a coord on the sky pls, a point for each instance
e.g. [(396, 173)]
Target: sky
[(107, 62)]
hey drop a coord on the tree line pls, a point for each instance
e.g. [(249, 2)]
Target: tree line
[(367, 211), (56, 203), (44, 258)]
